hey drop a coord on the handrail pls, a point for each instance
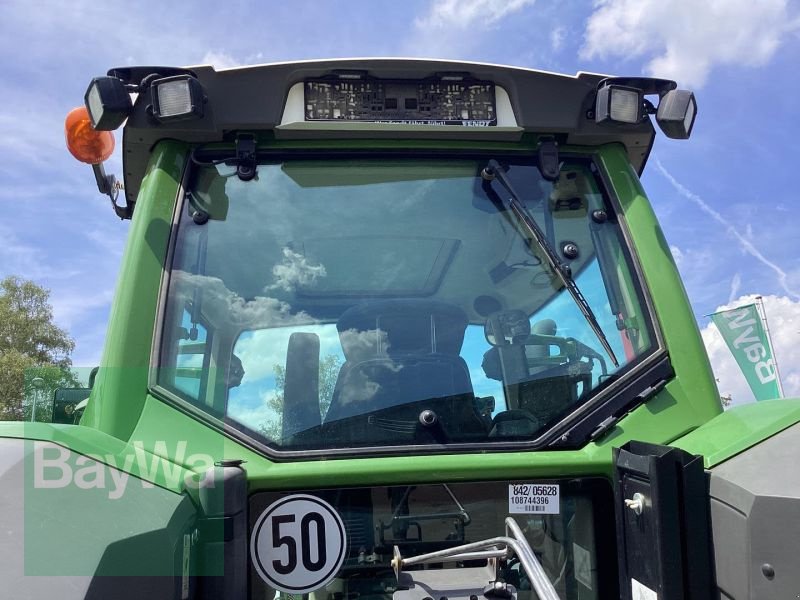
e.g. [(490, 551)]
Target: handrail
[(496, 547)]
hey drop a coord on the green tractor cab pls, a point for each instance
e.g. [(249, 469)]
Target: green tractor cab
[(396, 329)]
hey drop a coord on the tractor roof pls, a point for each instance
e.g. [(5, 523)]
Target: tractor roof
[(258, 98)]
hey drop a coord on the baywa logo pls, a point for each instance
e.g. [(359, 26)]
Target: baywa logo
[(57, 467)]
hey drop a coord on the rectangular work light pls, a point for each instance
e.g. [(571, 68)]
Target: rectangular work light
[(619, 104), (108, 103), (177, 98), (676, 113)]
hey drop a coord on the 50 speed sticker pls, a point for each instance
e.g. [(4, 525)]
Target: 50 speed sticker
[(534, 498), (298, 544)]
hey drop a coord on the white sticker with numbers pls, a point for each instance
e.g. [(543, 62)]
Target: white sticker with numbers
[(534, 498)]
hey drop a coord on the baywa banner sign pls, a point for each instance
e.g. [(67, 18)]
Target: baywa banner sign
[(742, 330)]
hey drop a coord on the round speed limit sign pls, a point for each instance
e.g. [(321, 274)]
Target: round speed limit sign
[(298, 544)]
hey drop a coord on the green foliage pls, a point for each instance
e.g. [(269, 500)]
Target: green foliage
[(34, 351), (329, 368)]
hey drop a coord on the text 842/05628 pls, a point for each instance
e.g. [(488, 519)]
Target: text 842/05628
[(533, 498)]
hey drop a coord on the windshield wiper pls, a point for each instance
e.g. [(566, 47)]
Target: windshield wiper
[(494, 171)]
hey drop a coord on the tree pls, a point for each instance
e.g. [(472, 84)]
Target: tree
[(34, 351), (329, 368)]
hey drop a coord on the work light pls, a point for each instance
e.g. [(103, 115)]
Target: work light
[(177, 98), (619, 103), (108, 103), (676, 113)]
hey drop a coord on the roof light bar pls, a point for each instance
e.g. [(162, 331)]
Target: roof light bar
[(177, 98), (108, 103)]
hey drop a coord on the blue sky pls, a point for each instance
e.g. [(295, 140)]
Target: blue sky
[(727, 199)]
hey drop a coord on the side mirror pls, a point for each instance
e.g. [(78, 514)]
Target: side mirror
[(65, 404), (68, 403)]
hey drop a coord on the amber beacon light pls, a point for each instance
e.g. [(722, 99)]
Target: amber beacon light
[(83, 141)]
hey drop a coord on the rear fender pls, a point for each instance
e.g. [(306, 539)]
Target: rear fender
[(76, 528)]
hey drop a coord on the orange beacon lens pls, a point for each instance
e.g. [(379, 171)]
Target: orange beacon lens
[(83, 141)]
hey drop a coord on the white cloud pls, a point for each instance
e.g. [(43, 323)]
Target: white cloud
[(451, 28), (743, 241), (677, 254), (71, 305), (783, 315), (557, 38), (110, 242), (685, 40), (89, 345), (29, 261), (38, 135), (736, 284), (295, 271), (702, 271), (218, 300), (146, 38), (220, 60), (462, 14)]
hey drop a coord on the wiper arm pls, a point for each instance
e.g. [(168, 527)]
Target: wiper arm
[(494, 171)]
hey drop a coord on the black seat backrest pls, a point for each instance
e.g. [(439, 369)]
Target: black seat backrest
[(301, 410), (399, 352)]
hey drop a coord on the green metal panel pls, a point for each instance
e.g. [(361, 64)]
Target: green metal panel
[(695, 393), (740, 428), (121, 383), (160, 420)]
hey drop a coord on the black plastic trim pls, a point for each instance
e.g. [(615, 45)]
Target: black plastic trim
[(135, 75), (645, 385)]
